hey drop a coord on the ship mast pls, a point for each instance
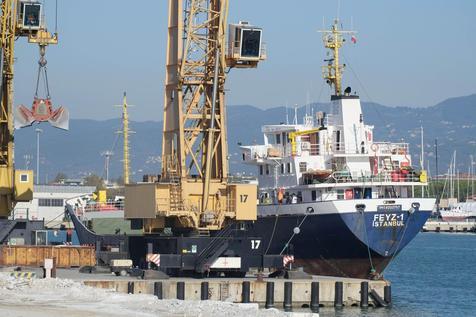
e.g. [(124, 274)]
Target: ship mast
[(332, 72), (125, 134)]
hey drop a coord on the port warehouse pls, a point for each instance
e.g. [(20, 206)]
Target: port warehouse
[(49, 202), (41, 221)]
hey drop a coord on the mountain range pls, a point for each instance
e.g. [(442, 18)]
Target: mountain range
[(78, 152)]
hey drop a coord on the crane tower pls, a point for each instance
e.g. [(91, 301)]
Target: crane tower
[(194, 191)]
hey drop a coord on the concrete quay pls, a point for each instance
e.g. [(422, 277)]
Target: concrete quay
[(284, 294), (332, 292), (444, 226)]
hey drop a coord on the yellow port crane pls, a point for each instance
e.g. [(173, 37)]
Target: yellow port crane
[(18, 19), (194, 191)]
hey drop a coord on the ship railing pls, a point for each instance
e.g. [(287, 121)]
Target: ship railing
[(257, 152), (388, 148), (103, 207), (23, 213), (345, 176)]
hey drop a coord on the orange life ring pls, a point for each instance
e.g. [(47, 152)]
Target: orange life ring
[(374, 147)]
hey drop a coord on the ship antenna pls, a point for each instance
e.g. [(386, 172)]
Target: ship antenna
[(287, 116), (338, 10), (422, 157), (295, 121), (333, 40)]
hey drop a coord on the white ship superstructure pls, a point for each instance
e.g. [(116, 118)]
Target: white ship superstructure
[(331, 157)]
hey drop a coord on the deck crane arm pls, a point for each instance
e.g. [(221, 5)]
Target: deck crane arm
[(295, 134)]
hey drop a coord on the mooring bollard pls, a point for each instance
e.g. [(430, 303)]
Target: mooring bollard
[(269, 295), (204, 291), (315, 297), (47, 267), (158, 290), (288, 296), (130, 287), (245, 292), (387, 294), (181, 290), (338, 295), (364, 294), (53, 269)]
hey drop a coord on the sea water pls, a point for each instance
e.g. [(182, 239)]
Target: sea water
[(435, 275)]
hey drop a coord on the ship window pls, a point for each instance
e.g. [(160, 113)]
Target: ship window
[(57, 202), (285, 138), (288, 168), (45, 202), (267, 169), (282, 168), (278, 138), (302, 167), (313, 195), (261, 169), (368, 193), (340, 194)]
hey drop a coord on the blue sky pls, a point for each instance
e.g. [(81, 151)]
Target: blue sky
[(409, 53)]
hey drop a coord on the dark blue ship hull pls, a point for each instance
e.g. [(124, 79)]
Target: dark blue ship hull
[(355, 244)]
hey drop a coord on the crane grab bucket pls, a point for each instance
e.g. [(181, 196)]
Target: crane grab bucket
[(42, 111)]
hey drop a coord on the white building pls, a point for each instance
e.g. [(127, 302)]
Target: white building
[(49, 202)]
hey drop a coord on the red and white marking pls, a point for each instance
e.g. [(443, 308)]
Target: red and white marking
[(154, 258), (288, 259)]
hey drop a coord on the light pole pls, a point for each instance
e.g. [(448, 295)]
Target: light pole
[(38, 132), (107, 155)]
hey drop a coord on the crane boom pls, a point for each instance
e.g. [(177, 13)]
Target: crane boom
[(19, 18), (194, 188), (8, 31)]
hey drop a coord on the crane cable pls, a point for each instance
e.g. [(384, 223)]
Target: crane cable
[(42, 72)]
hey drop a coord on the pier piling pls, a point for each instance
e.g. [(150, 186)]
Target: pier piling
[(387, 294), (181, 290), (364, 294), (158, 290), (338, 295), (269, 295), (315, 297), (130, 287), (288, 296), (245, 292), (204, 291)]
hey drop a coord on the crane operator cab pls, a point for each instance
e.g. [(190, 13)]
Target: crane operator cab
[(29, 15), (245, 46)]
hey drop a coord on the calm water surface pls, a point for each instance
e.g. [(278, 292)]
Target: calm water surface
[(434, 276)]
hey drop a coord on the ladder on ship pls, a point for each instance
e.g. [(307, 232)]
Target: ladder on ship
[(214, 249), (176, 203)]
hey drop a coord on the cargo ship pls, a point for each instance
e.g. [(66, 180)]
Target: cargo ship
[(342, 201), (331, 198)]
